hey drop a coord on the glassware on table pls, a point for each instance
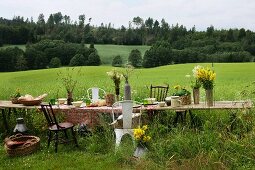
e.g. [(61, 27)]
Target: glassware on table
[(52, 101)]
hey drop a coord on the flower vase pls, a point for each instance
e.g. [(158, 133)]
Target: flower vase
[(140, 151), (196, 95), (209, 97), (127, 91), (117, 92), (69, 98)]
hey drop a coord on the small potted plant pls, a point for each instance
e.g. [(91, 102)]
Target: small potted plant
[(15, 97), (69, 82), (183, 93)]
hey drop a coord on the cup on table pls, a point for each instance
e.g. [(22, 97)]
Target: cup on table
[(175, 101), (52, 101)]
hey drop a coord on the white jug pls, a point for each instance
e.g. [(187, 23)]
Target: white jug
[(95, 94), (175, 101)]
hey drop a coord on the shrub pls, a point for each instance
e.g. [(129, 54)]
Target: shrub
[(135, 58), (55, 62), (117, 61), (77, 60), (94, 59)]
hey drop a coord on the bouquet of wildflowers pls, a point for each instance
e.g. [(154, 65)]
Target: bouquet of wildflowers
[(196, 84), (141, 136), (116, 77), (206, 76)]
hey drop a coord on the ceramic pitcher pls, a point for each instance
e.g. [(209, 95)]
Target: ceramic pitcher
[(175, 101)]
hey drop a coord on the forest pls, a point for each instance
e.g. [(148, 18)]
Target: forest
[(170, 44)]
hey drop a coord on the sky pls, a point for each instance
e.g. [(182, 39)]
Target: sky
[(222, 14)]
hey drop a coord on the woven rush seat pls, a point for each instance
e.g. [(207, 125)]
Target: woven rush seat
[(61, 125), (19, 145)]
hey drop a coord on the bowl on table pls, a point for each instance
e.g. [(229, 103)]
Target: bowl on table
[(62, 100), (150, 100), (161, 104), (77, 103)]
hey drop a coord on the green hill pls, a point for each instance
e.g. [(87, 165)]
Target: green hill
[(231, 79)]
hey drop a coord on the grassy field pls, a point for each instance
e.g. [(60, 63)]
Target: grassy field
[(231, 79), (219, 141), (108, 52)]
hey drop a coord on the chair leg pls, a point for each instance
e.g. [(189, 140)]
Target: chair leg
[(118, 139), (66, 134), (56, 142), (49, 137), (74, 138)]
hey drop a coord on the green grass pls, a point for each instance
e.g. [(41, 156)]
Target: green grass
[(219, 140), (231, 80), (107, 52)]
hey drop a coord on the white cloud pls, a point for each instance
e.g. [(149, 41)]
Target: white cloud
[(202, 13)]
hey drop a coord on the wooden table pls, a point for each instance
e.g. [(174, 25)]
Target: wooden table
[(85, 114)]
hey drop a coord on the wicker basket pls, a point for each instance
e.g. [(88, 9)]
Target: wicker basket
[(30, 102), (15, 101), (185, 100), (30, 145)]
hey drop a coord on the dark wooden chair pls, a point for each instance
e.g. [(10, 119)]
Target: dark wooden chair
[(159, 92), (55, 127)]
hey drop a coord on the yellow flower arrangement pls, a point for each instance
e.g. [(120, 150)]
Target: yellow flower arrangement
[(141, 136), (206, 76)]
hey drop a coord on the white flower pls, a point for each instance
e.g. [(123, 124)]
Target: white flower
[(195, 69)]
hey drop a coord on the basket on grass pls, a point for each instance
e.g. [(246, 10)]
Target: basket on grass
[(19, 145), (185, 100)]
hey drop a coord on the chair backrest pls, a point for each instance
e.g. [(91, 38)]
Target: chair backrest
[(49, 115), (94, 93), (159, 92), (126, 108)]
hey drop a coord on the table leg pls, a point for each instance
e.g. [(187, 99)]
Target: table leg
[(4, 120), (191, 118)]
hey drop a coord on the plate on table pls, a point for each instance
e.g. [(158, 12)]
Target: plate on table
[(136, 105)]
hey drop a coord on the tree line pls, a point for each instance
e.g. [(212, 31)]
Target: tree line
[(48, 54), (170, 43)]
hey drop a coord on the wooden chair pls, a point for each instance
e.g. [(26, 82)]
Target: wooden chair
[(94, 93), (55, 127), (159, 92), (125, 122)]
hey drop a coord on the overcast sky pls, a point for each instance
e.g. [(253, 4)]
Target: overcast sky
[(201, 13)]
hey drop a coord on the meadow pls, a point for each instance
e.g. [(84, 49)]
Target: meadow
[(211, 144), (107, 52)]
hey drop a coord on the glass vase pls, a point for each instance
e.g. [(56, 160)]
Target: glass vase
[(69, 98), (196, 95), (209, 97), (117, 92)]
